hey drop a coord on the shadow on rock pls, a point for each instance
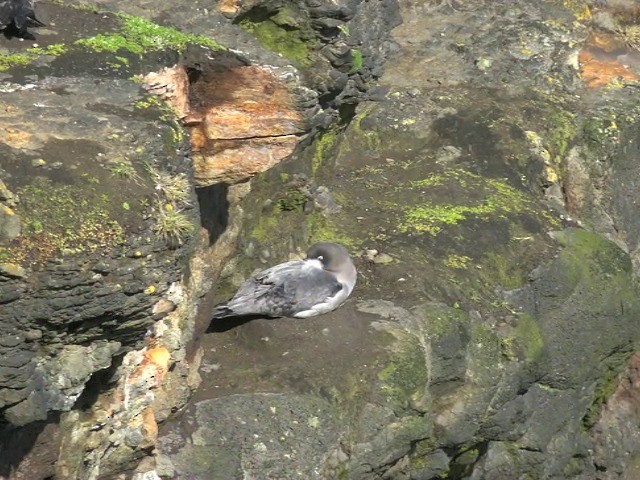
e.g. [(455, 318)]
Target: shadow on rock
[(224, 324)]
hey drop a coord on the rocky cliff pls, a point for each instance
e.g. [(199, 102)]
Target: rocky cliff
[(478, 160)]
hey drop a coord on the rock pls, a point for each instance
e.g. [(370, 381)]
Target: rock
[(383, 258), (10, 226), (6, 195)]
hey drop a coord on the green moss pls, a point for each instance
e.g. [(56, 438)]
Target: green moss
[(56, 50), (457, 261), (293, 200), (356, 60), (371, 138), (8, 61), (525, 341), (404, 378), (605, 387), (563, 130), (322, 229), (139, 35), (281, 39), (264, 228), (31, 54), (497, 200), (581, 245), (502, 269), (323, 146), (58, 217)]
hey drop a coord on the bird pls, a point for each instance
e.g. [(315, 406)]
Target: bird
[(304, 288), (16, 16)]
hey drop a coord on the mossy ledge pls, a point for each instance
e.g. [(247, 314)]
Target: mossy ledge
[(136, 35)]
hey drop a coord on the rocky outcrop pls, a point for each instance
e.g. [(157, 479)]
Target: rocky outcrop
[(487, 342), (103, 256), (484, 184)]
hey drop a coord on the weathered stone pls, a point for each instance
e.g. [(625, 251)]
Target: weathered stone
[(12, 270), (246, 132)]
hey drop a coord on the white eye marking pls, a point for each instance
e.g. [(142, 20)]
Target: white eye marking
[(320, 257)]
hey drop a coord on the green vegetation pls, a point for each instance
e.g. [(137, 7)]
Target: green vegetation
[(172, 225), (175, 188), (457, 261), (8, 61), (322, 147), (497, 199), (122, 169), (292, 200), (56, 50), (525, 341), (139, 35), (31, 54), (62, 217), (356, 60), (405, 376), (275, 34)]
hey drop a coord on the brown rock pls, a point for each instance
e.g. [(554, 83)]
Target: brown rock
[(249, 124), (170, 84)]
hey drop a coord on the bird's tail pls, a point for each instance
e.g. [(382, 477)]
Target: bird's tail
[(34, 22), (222, 311)]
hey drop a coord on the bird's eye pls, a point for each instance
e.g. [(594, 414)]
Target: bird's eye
[(320, 257)]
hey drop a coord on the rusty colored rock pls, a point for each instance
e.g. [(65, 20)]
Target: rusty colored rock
[(158, 358), (248, 124), (229, 7), (170, 84), (600, 72), (243, 118), (234, 161), (617, 428)]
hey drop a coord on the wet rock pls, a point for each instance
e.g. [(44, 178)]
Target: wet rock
[(262, 433), (10, 226)]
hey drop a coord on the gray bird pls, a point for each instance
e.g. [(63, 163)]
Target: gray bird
[(302, 288), (18, 15)]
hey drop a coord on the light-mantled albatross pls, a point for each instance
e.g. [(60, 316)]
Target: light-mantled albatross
[(301, 288)]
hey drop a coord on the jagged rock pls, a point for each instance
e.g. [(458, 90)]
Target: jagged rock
[(10, 226)]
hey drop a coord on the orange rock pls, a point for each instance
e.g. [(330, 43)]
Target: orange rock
[(600, 72), (15, 137), (249, 124), (159, 357), (170, 84), (149, 428), (234, 161), (229, 7)]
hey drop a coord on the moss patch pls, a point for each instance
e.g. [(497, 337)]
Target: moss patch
[(495, 198), (31, 54), (404, 379), (292, 200), (525, 342), (322, 148), (281, 33), (63, 217), (356, 60), (139, 35), (581, 244)]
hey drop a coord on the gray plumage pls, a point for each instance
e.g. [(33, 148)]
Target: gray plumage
[(21, 15), (300, 288)]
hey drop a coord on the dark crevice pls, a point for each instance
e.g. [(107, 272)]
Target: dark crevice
[(100, 382), (17, 442), (214, 209)]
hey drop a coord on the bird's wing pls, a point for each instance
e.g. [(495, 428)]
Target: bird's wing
[(8, 10), (284, 289)]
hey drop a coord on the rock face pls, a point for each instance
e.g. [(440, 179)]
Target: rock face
[(489, 340), (484, 181)]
